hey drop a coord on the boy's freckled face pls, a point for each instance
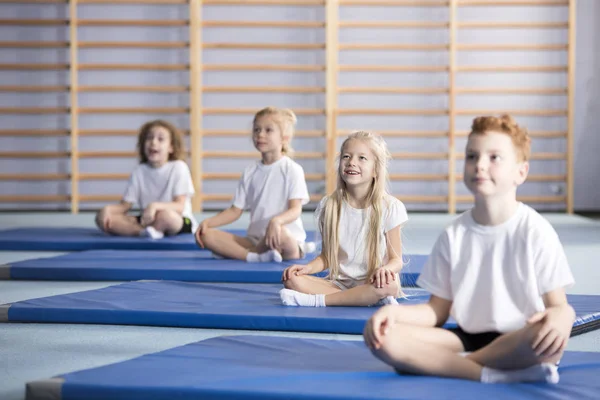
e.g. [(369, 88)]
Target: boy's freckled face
[(491, 165)]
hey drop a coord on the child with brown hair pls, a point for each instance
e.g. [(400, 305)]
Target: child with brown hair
[(499, 269), (161, 186)]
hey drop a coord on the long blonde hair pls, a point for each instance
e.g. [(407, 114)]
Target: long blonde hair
[(329, 218), (286, 120)]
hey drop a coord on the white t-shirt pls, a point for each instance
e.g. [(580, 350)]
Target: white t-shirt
[(353, 227), (265, 190), (148, 184), (495, 276)]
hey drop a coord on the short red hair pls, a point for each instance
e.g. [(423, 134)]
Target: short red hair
[(507, 125)]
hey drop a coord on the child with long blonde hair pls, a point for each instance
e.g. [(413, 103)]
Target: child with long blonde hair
[(273, 190), (360, 224), (161, 186)]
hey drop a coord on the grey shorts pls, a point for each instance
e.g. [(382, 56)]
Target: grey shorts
[(348, 283)]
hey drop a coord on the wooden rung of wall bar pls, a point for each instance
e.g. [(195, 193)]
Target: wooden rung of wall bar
[(34, 177), (237, 176), (229, 197), (133, 1), (383, 111), (254, 154), (472, 3), (132, 22), (133, 45), (512, 25), (392, 90), (420, 155), (393, 46), (30, 132), (263, 24), (111, 154), (133, 67), (231, 111), (394, 24), (129, 110), (262, 89), (265, 46), (537, 134), (102, 177), (525, 199), (159, 89), (512, 47), (265, 2), (534, 113), (395, 133), (34, 154), (34, 22), (32, 44), (33, 67), (511, 68), (395, 3), (34, 198), (393, 68), (523, 91), (105, 198), (418, 177), (218, 133), (263, 67), (33, 110), (33, 89)]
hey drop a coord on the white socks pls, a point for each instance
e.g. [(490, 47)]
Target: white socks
[(151, 232), (387, 300), (308, 247), (271, 255), (291, 297), (545, 372)]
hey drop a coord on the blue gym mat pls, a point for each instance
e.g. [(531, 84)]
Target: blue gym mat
[(220, 306), (193, 266), (77, 239), (267, 367)]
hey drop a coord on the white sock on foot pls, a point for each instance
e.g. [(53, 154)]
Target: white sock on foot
[(387, 300), (308, 247), (271, 255), (545, 372), (153, 233), (291, 297)]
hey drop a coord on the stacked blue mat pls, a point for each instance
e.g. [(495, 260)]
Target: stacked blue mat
[(261, 367), (78, 239), (193, 266), (220, 306)]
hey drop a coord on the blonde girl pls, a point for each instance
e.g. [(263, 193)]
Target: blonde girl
[(273, 189), (360, 226), (161, 186)]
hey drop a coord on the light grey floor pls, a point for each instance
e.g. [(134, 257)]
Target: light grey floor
[(38, 351)]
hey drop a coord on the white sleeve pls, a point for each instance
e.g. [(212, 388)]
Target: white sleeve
[(132, 190), (183, 184), (396, 215), (239, 198), (550, 261), (297, 184), (435, 277)]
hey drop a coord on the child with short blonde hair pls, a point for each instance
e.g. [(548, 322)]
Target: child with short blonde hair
[(274, 190)]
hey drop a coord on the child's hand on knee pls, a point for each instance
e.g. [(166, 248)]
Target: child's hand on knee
[(555, 328), (382, 276), (149, 214), (273, 235), (378, 326), (295, 270)]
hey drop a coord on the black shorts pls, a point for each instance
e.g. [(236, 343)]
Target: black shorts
[(185, 228), (474, 341)]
